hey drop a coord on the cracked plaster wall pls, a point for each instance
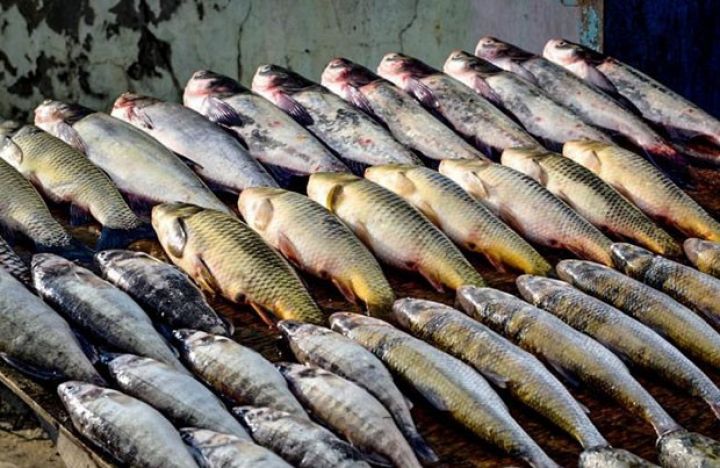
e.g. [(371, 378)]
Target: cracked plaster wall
[(92, 50)]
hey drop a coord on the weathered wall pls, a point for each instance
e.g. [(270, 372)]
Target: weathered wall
[(92, 50)]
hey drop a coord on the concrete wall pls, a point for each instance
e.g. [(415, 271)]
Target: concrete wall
[(92, 50)]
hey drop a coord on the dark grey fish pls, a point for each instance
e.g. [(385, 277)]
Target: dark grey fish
[(217, 450), (161, 289), (705, 255), (13, 264), (130, 431)]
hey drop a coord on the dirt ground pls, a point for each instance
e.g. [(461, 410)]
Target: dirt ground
[(23, 444)]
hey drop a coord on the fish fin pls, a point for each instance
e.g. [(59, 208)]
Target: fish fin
[(333, 197), (263, 216), (74, 251), (433, 398), (375, 459), (265, 315), (565, 374), (496, 263), (205, 278), (288, 249), (345, 290), (423, 93), (284, 177), (585, 409), (361, 232), (359, 100), (429, 212), (11, 151), (403, 184), (294, 108), (223, 113), (432, 278), (119, 238), (177, 238), (355, 167), (422, 449), (69, 135), (33, 371), (90, 350), (497, 379), (483, 89), (79, 216), (140, 118), (410, 405), (190, 163)]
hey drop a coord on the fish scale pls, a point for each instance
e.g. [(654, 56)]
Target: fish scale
[(591, 197), (65, 174), (13, 264)]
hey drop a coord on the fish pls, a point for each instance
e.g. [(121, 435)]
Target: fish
[(684, 449), (505, 365), (466, 221), (468, 113), (223, 255), (656, 102), (404, 116), (316, 241), (139, 165), (24, 212), (165, 292), (38, 341), (574, 355), (634, 342), (645, 186), (99, 309), (303, 443), (213, 450), (673, 321), (540, 115), (272, 137), (447, 383), (705, 255), (8, 127), (591, 198), (215, 154), (318, 346), (529, 208), (587, 101), (696, 290), (351, 411), (236, 372), (13, 264), (353, 135), (65, 175), (120, 425), (182, 399), (605, 457), (411, 242)]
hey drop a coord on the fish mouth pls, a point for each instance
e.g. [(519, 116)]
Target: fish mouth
[(630, 259), (74, 389)]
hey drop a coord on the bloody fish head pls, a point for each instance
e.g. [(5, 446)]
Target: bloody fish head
[(274, 77), (205, 82), (401, 66), (564, 52)]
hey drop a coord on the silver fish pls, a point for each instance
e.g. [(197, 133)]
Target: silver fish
[(216, 450), (132, 432), (236, 372), (181, 398), (321, 347), (99, 308), (216, 156)]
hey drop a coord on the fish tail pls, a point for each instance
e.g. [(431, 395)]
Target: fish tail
[(421, 448), (111, 238), (75, 251)]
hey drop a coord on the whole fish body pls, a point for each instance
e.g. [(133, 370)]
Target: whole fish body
[(587, 101), (140, 166), (272, 137), (22, 210), (471, 115), (318, 346), (409, 241), (352, 134), (696, 290), (182, 399), (464, 220), (705, 255), (162, 290), (120, 425), (350, 411), (216, 156), (681, 326), (236, 372), (223, 255), (315, 240), (214, 449), (543, 117), (303, 443), (34, 338), (403, 115), (99, 308), (572, 354), (620, 333), (529, 208), (656, 102), (645, 186), (446, 382), (591, 197), (13, 264), (65, 175), (501, 362)]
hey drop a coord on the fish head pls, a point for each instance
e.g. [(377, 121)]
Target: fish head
[(169, 223), (562, 52), (108, 258), (631, 259), (399, 69), (127, 104), (51, 112), (575, 271), (394, 177), (410, 312), (489, 48), (123, 361), (684, 448), (256, 206), (204, 83), (252, 415), (326, 188), (343, 322), (293, 329), (608, 456), (504, 55), (45, 265), (271, 78), (587, 153), (535, 288), (11, 153), (75, 392), (698, 250), (474, 300), (187, 340), (463, 64), (525, 160), (295, 372), (206, 439)]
